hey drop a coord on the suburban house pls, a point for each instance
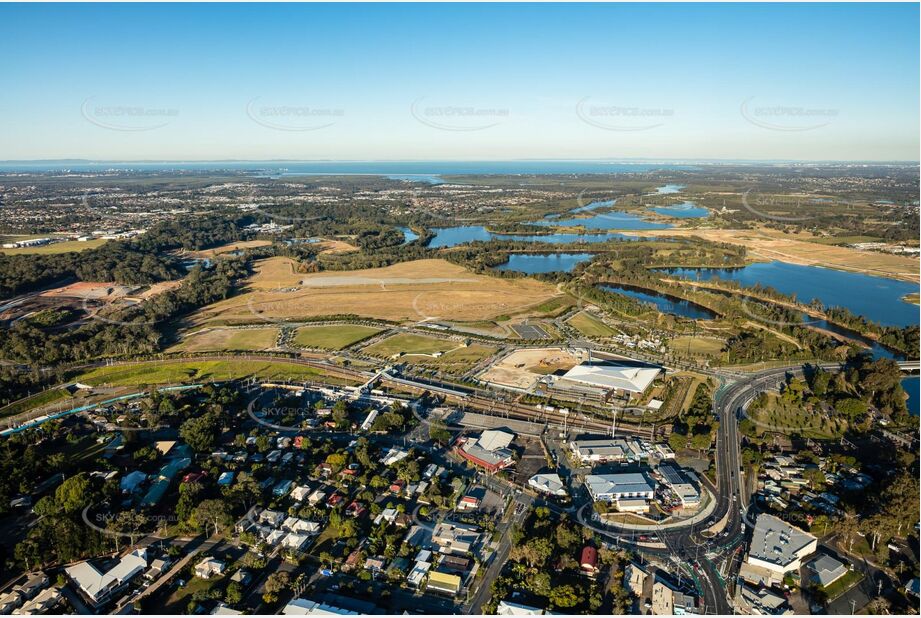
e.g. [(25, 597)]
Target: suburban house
[(97, 586)]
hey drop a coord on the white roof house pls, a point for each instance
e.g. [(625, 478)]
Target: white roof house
[(548, 483), (508, 608), (209, 567), (778, 546), (306, 607), (612, 375), (300, 492), (826, 570), (98, 586)]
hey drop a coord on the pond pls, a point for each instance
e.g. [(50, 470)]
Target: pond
[(669, 189), (453, 236), (911, 387), (663, 302), (876, 298), (408, 235), (533, 263), (684, 210)]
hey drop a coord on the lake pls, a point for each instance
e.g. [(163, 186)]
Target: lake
[(684, 210), (877, 298), (664, 303), (669, 189), (408, 235), (533, 263), (914, 398), (453, 236)]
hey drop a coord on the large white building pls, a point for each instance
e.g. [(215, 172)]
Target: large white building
[(603, 450), (602, 380), (777, 547)]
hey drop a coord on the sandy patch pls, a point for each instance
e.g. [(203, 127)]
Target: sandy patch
[(522, 368)]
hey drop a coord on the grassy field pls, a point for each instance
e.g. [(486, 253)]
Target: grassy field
[(419, 350), (698, 345), (233, 246), (226, 340), (191, 371), (777, 416), (35, 401), (405, 292), (58, 247), (410, 344), (333, 337), (590, 326)]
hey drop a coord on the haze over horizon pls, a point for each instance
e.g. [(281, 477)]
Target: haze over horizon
[(460, 83)]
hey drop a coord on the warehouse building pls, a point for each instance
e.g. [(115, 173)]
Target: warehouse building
[(489, 451)]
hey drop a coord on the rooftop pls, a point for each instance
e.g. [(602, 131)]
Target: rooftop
[(630, 377), (777, 542)]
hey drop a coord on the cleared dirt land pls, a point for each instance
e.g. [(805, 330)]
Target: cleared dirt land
[(411, 291), (234, 246), (803, 249), (333, 337), (447, 354), (521, 368), (225, 339)]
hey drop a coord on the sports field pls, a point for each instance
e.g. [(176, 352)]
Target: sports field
[(333, 337), (590, 326), (226, 339), (449, 355), (405, 292)]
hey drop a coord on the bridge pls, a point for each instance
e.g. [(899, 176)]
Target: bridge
[(910, 366)]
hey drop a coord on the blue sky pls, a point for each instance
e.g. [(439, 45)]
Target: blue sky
[(461, 81)]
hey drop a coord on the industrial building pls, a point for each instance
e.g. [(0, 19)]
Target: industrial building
[(602, 451)]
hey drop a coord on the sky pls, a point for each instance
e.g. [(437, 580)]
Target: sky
[(459, 81)]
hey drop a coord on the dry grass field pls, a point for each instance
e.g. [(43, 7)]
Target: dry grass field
[(803, 249), (225, 339), (57, 247), (406, 292), (447, 354)]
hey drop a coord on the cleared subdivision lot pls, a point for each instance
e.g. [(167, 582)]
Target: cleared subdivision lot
[(227, 339), (406, 292)]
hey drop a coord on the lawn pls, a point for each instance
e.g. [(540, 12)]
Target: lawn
[(419, 350), (409, 344), (39, 399), (839, 587), (190, 371), (333, 337), (777, 416), (590, 326), (704, 346), (58, 247), (224, 339)]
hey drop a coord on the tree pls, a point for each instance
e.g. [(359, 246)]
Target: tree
[(438, 432), (212, 514), (200, 433), (73, 494), (274, 584), (564, 596), (233, 594)]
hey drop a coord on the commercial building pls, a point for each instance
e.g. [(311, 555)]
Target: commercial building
[(620, 488), (776, 548), (600, 381), (489, 451), (601, 451), (680, 483)]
